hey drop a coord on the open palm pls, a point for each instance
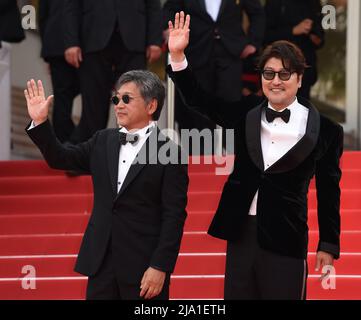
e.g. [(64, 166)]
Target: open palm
[(38, 105), (178, 33)]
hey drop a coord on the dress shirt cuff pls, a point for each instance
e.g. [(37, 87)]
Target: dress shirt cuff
[(32, 125), (178, 66)]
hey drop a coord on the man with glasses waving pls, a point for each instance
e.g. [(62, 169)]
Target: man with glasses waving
[(133, 237), (280, 144)]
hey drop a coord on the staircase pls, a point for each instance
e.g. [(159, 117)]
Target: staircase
[(43, 214)]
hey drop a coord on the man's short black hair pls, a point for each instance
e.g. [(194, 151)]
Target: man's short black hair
[(149, 85), (291, 56)]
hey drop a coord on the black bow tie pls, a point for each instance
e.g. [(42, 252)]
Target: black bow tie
[(272, 114), (128, 137)]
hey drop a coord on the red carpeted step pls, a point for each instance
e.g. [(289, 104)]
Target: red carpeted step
[(191, 242), (54, 203), (40, 244), (351, 160), (43, 223), (27, 168), (181, 288), (45, 185), (42, 212), (45, 289), (212, 288), (187, 264)]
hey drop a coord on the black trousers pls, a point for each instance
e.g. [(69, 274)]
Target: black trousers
[(99, 72), (104, 285), (254, 273), (65, 81)]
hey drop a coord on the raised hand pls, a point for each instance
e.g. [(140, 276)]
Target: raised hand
[(178, 36), (38, 106)]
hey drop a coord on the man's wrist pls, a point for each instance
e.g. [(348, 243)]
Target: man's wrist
[(178, 66), (38, 122), (177, 57)]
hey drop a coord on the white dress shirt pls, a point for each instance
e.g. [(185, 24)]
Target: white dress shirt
[(212, 7), (129, 151), (278, 137)]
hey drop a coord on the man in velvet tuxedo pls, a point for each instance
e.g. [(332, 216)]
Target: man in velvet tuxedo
[(280, 145), (133, 237)]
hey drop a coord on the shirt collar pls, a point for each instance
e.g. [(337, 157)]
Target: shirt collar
[(141, 132), (290, 107)]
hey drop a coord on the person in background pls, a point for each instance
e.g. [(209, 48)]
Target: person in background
[(105, 39), (298, 21), (217, 47), (64, 77), (10, 22)]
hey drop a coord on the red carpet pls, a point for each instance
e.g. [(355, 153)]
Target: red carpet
[(43, 214)]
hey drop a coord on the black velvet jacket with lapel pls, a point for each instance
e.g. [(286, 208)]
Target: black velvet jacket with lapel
[(283, 187), (144, 221)]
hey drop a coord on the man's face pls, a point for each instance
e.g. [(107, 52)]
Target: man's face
[(135, 114), (280, 94)]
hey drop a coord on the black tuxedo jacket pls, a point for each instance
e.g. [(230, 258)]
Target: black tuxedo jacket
[(90, 23), (283, 187), (228, 26), (144, 221), (10, 22)]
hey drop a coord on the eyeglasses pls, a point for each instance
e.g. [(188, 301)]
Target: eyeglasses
[(125, 98), (284, 75)]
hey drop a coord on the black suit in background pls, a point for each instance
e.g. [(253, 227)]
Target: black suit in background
[(113, 36), (64, 77), (138, 227), (10, 22), (215, 49), (281, 17), (281, 223)]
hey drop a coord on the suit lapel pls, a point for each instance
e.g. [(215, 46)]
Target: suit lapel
[(302, 149), (221, 9), (113, 148), (146, 155), (298, 153), (253, 135)]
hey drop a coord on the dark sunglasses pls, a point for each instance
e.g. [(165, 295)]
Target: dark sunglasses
[(284, 75), (125, 98)]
